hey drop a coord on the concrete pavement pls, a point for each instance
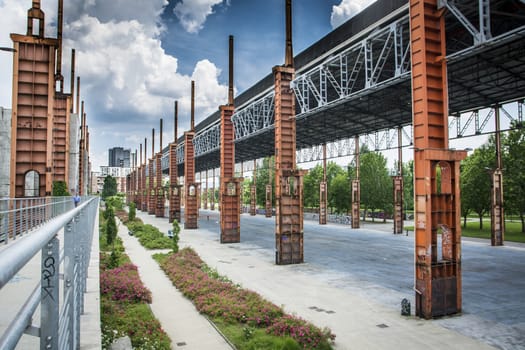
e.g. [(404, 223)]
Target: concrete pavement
[(359, 310)]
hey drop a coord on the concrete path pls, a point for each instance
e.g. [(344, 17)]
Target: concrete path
[(359, 320), (186, 328)]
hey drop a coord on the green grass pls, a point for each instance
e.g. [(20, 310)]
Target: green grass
[(512, 230), (250, 338)]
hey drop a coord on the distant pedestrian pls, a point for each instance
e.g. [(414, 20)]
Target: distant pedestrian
[(76, 199)]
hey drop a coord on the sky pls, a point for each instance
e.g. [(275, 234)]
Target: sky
[(136, 57)]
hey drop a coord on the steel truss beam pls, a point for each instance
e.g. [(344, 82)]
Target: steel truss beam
[(207, 140), (379, 58), (254, 118)]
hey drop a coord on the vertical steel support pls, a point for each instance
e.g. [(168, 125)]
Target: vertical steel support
[(212, 197), (323, 194), (398, 186), (436, 168), (253, 191), (159, 208), (175, 188), (205, 191), (145, 179), (152, 200), (268, 204), (288, 179), (356, 189), (229, 185), (49, 291), (497, 222), (241, 194), (191, 212)]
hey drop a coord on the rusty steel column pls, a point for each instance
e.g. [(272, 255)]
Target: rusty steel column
[(175, 200), (398, 187), (205, 190), (253, 191), (152, 184), (145, 178), (229, 185), (437, 210), (31, 160), (191, 212), (323, 194), (356, 189), (138, 198), (268, 206), (497, 215), (159, 209), (212, 197), (288, 179), (241, 194)]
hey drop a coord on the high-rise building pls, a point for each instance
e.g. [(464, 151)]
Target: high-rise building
[(119, 157)]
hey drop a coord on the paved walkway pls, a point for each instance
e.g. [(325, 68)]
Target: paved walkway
[(358, 322), (186, 328)]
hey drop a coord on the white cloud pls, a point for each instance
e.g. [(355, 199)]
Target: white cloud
[(193, 13), (346, 10), (127, 79)]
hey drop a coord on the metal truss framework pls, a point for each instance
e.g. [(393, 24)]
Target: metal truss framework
[(474, 123), (378, 59)]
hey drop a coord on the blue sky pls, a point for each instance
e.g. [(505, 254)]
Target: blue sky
[(136, 57)]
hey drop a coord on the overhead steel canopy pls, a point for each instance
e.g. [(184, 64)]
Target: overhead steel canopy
[(356, 80)]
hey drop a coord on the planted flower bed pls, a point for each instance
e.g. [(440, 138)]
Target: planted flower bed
[(233, 308)]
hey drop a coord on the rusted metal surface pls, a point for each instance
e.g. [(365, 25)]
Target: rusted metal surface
[(323, 195), (398, 204), (253, 191), (230, 185), (191, 212), (33, 110), (60, 150), (398, 187), (159, 209), (268, 202), (497, 215), (152, 180), (436, 169), (288, 180), (356, 189), (497, 227), (175, 188)]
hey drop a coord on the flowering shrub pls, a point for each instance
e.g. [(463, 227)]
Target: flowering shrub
[(123, 283), (306, 334), (217, 297)]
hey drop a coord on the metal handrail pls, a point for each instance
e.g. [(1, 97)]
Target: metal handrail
[(20, 215), (60, 319)]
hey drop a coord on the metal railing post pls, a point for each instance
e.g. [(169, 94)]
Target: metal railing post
[(49, 305), (69, 278)]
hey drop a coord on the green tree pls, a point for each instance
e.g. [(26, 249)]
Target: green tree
[(339, 193), (476, 182), (311, 183), (514, 171), (376, 183), (60, 189), (175, 239), (263, 176), (408, 185), (132, 211), (111, 226), (110, 187)]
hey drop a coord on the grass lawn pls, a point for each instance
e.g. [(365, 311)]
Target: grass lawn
[(512, 230)]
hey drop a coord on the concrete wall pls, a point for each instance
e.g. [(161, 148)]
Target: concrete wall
[(5, 151), (74, 145)]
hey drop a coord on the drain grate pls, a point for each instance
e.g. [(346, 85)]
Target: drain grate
[(182, 343), (382, 325), (318, 309)]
